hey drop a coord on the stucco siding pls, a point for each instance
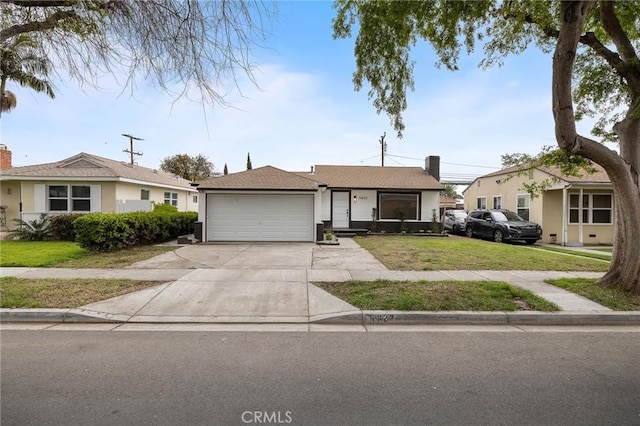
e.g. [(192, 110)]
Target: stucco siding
[(551, 217), (10, 198), (362, 203), (430, 202)]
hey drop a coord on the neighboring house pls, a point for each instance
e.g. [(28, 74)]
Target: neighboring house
[(269, 204), (87, 183), (572, 210), (447, 203)]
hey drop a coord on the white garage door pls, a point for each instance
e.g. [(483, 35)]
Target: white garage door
[(259, 217)]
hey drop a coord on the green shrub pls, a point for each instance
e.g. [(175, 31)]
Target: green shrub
[(62, 227), (112, 231), (33, 230), (164, 208)]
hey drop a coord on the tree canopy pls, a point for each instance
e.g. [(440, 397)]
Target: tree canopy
[(188, 48), (188, 167), (595, 72)]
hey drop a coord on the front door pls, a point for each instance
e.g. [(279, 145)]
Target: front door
[(340, 210)]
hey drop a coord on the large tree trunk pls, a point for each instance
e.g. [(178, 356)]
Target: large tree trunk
[(622, 168)]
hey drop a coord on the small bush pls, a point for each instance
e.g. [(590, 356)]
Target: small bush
[(33, 230), (164, 208), (62, 227), (112, 231)]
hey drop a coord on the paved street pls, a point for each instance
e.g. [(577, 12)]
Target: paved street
[(581, 376)]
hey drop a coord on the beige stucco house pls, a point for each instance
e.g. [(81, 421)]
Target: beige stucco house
[(86, 183), (572, 211)]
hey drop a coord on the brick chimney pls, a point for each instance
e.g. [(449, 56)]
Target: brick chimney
[(5, 158), (432, 166)]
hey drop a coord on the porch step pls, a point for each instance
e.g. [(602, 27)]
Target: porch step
[(350, 232)]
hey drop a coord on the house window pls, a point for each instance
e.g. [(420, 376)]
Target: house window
[(63, 196), (171, 198), (399, 206), (144, 194), (195, 198), (497, 202), (595, 208), (81, 198), (58, 198), (522, 203), (481, 203)]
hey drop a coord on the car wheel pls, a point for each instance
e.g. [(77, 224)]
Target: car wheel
[(455, 229), (469, 232), (497, 236)]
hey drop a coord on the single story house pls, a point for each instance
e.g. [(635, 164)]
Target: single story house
[(86, 183), (270, 204), (572, 211)]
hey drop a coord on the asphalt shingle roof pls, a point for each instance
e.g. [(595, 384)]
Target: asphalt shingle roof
[(600, 176), (262, 178), (374, 177), (85, 165)]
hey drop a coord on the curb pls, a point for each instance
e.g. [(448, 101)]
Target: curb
[(587, 318), (501, 318)]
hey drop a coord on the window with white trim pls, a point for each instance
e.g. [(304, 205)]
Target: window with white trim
[(171, 198), (65, 198), (595, 208), (497, 202), (481, 203), (522, 203), (399, 206), (195, 199)]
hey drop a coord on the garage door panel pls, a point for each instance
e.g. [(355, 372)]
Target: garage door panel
[(260, 217)]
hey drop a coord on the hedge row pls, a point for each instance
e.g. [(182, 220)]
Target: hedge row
[(117, 231), (62, 227)]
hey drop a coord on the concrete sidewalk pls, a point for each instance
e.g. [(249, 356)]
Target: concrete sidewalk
[(273, 283)]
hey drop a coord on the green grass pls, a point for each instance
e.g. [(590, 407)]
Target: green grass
[(56, 293), (437, 296), (416, 253), (612, 298), (606, 249), (38, 253), (63, 254), (576, 253)]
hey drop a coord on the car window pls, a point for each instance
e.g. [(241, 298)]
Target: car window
[(460, 214), (507, 216)]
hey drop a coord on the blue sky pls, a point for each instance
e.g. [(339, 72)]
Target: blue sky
[(304, 112)]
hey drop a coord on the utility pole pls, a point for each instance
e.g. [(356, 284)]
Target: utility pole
[(383, 146), (130, 150)]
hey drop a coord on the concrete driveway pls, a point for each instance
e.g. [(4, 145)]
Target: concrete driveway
[(257, 282), (297, 256)]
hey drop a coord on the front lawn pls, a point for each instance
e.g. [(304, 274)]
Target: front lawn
[(437, 296), (56, 293), (64, 254), (612, 298), (415, 253)]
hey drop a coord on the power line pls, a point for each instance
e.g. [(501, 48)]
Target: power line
[(443, 162)]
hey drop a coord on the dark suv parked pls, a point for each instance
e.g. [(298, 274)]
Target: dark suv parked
[(501, 226)]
